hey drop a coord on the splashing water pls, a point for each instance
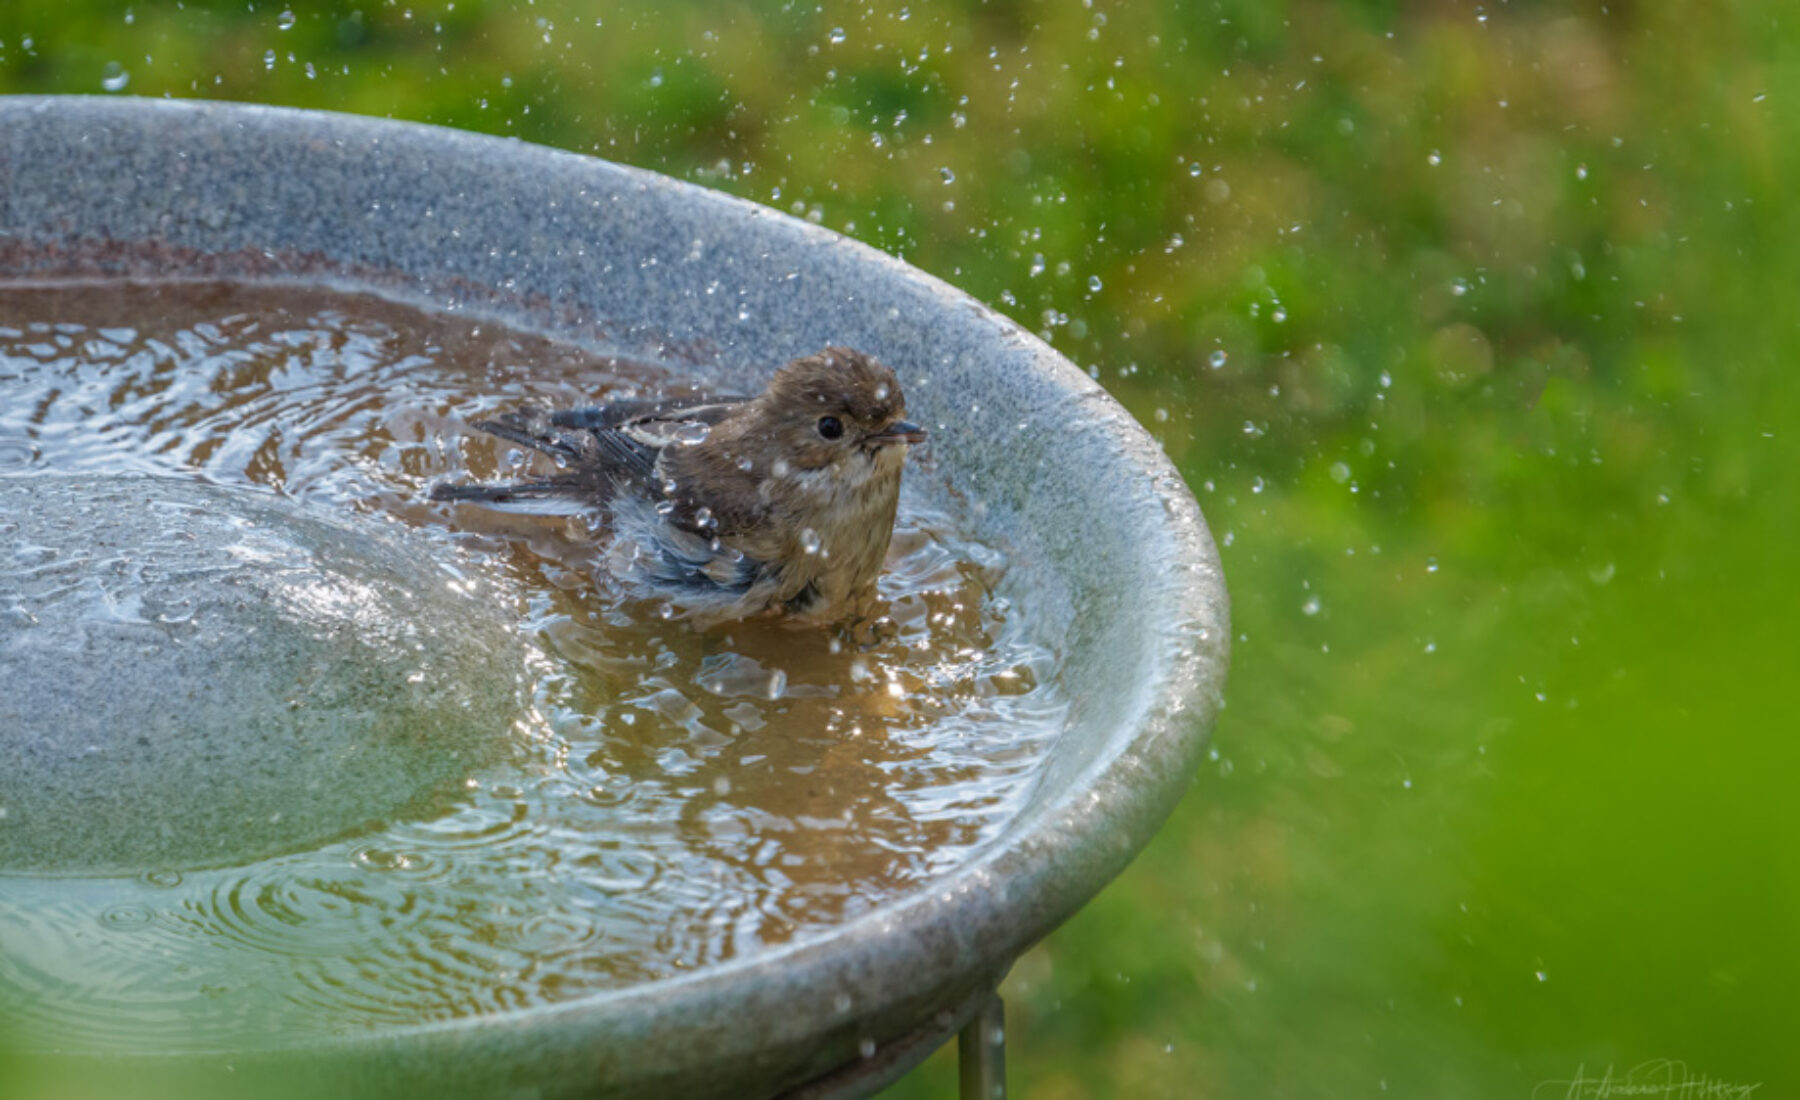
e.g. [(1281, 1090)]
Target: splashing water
[(685, 798)]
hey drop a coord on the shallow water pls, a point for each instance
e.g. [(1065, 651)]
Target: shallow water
[(679, 798)]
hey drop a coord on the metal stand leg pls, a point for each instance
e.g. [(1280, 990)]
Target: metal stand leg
[(981, 1054)]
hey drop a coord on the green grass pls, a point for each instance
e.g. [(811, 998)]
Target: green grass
[(1505, 297)]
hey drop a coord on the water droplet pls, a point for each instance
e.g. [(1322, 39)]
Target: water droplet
[(285, 21), (1340, 472), (866, 1048), (1459, 287), (837, 36), (126, 916), (1434, 158), (1194, 169), (268, 59), (1278, 314), (810, 541), (1312, 606), (1094, 283), (1216, 360), (114, 77), (691, 432), (1581, 171), (946, 175)]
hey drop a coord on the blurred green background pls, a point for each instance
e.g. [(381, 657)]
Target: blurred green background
[(1469, 325)]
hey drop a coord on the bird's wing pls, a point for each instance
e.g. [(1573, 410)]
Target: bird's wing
[(701, 408), (621, 440), (595, 464), (627, 436), (715, 491), (643, 445)]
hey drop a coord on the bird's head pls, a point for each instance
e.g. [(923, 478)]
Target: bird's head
[(838, 408)]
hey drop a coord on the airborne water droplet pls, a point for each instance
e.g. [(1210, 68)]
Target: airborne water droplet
[(810, 541), (114, 77), (285, 21)]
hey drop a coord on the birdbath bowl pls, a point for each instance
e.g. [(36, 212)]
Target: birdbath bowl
[(629, 263)]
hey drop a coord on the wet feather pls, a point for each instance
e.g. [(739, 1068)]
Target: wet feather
[(729, 507)]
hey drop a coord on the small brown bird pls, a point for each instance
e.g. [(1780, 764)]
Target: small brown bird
[(727, 508)]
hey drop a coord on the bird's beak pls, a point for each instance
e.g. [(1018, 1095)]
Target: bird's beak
[(900, 431)]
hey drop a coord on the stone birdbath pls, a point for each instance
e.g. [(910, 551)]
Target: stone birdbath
[(121, 724)]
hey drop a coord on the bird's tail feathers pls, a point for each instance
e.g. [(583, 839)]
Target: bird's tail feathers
[(530, 498), (527, 433)]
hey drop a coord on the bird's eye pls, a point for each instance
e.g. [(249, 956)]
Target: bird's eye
[(830, 427)]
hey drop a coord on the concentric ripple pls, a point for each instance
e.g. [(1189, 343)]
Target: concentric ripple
[(683, 798)]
